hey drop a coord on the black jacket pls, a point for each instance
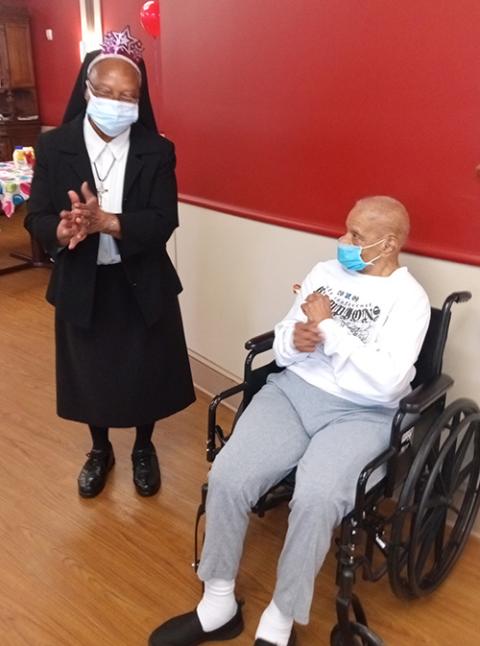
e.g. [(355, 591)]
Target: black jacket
[(149, 216)]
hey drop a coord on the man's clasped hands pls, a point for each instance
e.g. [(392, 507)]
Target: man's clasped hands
[(317, 308)]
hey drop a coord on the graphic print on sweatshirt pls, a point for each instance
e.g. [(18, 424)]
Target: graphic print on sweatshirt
[(347, 308)]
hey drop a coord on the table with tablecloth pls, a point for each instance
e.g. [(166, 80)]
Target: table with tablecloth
[(14, 186), (14, 191)]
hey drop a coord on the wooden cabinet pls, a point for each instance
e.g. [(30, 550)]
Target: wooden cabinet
[(16, 134), (19, 120), (4, 72), (19, 50)]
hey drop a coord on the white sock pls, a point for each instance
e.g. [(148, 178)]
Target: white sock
[(218, 604), (274, 626)]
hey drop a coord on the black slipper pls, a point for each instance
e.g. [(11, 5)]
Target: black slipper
[(186, 630)]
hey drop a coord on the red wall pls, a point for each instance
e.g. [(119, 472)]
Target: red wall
[(287, 111), (56, 62)]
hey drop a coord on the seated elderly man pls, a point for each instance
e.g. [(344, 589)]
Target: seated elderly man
[(349, 344)]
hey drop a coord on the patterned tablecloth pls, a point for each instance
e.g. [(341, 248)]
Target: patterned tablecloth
[(14, 186)]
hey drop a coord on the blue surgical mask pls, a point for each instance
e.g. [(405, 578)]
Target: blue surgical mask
[(111, 116), (350, 256)]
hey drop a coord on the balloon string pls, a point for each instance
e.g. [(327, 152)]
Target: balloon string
[(158, 80)]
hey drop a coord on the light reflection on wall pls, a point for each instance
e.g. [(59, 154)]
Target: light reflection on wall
[(91, 21)]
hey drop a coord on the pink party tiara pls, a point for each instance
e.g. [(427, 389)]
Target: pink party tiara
[(122, 43)]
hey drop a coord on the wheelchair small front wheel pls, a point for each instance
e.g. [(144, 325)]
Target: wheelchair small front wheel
[(362, 636)]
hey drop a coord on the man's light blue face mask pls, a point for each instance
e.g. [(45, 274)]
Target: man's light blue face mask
[(350, 255)]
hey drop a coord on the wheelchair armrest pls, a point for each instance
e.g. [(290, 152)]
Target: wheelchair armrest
[(364, 477), (425, 395), (261, 343), (225, 394)]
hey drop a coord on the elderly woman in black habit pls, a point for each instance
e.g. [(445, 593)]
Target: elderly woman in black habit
[(104, 204)]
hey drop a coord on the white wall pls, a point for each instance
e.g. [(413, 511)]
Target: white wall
[(238, 274)]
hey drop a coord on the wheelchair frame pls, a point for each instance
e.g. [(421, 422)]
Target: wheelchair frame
[(425, 468)]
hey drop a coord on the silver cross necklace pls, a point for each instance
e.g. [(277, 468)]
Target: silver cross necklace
[(101, 190)]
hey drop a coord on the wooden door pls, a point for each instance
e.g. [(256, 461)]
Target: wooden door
[(17, 36)]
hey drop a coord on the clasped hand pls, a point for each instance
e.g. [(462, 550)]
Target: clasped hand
[(83, 219), (306, 336)]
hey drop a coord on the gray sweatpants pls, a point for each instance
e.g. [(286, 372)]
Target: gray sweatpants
[(288, 424)]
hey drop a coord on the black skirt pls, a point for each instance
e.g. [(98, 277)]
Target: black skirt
[(119, 372)]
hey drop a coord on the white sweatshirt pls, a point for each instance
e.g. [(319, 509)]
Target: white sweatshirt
[(369, 347)]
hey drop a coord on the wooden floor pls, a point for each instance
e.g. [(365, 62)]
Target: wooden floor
[(105, 572)]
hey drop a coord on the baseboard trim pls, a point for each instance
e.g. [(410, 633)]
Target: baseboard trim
[(211, 382)]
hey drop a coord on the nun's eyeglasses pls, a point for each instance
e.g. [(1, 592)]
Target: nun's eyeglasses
[(108, 94)]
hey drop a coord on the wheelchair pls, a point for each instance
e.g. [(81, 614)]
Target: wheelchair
[(414, 522)]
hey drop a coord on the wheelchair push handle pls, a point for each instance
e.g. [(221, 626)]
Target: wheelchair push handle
[(460, 297), (456, 297)]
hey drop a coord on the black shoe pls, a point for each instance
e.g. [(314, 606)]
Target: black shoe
[(263, 642), (93, 475), (146, 471), (186, 630)]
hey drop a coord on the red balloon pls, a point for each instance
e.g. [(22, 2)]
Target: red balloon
[(150, 17)]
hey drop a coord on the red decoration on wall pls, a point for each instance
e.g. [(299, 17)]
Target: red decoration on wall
[(150, 17)]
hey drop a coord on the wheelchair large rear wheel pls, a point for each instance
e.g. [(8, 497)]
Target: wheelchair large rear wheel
[(438, 503)]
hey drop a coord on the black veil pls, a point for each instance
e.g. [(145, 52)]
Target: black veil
[(77, 104)]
